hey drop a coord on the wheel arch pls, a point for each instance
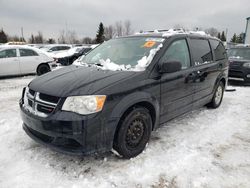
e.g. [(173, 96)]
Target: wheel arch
[(221, 78), (127, 104), (43, 63)]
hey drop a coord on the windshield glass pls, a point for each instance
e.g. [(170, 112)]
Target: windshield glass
[(239, 53), (124, 53)]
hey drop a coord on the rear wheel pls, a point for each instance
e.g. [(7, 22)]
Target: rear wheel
[(42, 69), (133, 133), (218, 96)]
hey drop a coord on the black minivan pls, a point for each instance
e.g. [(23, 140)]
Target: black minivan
[(125, 88)]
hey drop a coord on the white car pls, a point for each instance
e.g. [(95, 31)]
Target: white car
[(21, 60)]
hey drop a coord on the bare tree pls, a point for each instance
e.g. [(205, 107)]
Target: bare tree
[(32, 39), (72, 37), (119, 28), (14, 38), (127, 28), (212, 31), (109, 32), (62, 37), (87, 40), (68, 37), (39, 38)]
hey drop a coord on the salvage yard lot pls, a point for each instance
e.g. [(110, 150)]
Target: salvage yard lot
[(205, 148)]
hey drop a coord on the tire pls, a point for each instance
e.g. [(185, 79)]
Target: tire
[(42, 69), (133, 133), (218, 96)]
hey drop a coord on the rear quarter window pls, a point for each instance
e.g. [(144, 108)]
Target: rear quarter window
[(27, 52), (219, 50), (201, 51)]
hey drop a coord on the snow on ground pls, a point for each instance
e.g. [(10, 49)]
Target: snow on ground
[(205, 148)]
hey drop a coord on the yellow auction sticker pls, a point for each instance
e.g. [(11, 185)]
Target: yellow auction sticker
[(149, 44)]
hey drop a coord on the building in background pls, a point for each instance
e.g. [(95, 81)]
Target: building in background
[(247, 33)]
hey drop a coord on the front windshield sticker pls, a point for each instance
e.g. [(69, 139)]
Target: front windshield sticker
[(155, 39), (149, 44)]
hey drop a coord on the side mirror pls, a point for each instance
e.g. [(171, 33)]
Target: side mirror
[(170, 67)]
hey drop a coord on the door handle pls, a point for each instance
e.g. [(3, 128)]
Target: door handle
[(192, 76)]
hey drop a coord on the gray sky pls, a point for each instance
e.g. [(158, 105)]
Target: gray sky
[(53, 16)]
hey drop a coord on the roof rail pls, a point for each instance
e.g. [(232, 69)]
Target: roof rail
[(163, 30), (170, 32)]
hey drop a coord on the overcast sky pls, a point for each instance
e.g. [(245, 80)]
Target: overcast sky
[(83, 16)]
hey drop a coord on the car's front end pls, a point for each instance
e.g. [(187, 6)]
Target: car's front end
[(239, 64), (46, 121), (74, 109)]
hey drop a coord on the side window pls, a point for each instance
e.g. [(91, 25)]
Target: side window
[(54, 48), (201, 51), (8, 53), (64, 47), (27, 52), (178, 51), (219, 50)]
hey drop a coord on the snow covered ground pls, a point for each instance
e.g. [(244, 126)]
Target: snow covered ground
[(206, 148)]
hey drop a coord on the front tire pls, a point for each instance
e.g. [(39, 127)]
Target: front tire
[(133, 133), (218, 96), (42, 69)]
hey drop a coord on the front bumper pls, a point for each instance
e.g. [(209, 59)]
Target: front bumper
[(242, 74), (70, 133)]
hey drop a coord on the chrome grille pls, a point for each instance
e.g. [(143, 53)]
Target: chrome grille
[(38, 103)]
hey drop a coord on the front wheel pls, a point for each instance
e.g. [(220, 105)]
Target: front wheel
[(218, 96), (42, 69), (133, 133)]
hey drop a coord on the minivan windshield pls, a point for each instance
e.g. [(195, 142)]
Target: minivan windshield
[(239, 53), (131, 53)]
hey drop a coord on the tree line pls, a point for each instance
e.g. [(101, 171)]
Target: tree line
[(119, 28)]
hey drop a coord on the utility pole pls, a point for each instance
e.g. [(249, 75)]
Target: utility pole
[(22, 40)]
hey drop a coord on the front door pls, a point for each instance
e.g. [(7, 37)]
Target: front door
[(177, 89)]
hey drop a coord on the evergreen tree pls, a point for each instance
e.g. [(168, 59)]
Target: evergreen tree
[(100, 34), (234, 38), (3, 37), (218, 36), (223, 37), (239, 38)]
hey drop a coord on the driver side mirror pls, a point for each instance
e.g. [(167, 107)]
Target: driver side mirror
[(170, 67)]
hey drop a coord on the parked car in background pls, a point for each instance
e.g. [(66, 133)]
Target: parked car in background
[(239, 63), (125, 88), (68, 57), (55, 47), (21, 60)]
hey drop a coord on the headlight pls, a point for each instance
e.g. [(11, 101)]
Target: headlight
[(84, 104), (247, 65)]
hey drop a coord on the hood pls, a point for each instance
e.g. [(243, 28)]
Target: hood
[(77, 80)]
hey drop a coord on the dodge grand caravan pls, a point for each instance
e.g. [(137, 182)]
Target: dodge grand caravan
[(125, 88)]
